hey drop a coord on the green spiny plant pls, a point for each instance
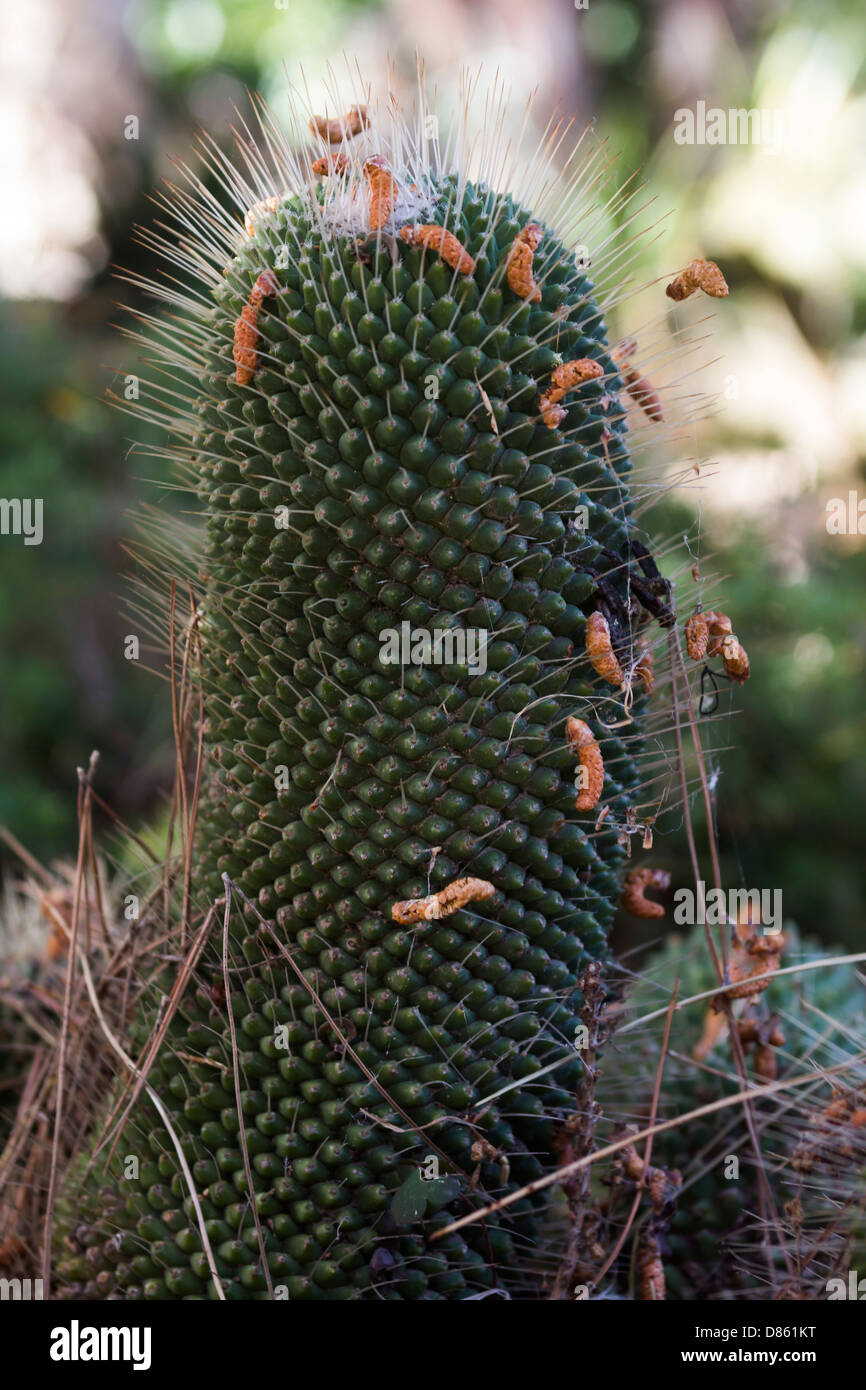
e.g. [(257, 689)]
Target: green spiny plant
[(718, 1242), (362, 422)]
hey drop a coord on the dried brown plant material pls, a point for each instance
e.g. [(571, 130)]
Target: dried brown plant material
[(483, 1151), (582, 741), (764, 1035), (698, 275), (246, 329), (552, 415), (645, 670), (637, 882), (624, 351), (381, 191), (831, 1133), (259, 209), (436, 238), (754, 1030), (661, 1184), (340, 127), (697, 635), (765, 1063), (330, 164), (563, 379), (719, 623), (651, 1271), (706, 633), (519, 265), (756, 955), (641, 390), (599, 649), (644, 394), (602, 816), (443, 903), (719, 627), (736, 660), (714, 1031), (794, 1212)]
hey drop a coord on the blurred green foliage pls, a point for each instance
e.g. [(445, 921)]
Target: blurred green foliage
[(66, 687), (786, 749)]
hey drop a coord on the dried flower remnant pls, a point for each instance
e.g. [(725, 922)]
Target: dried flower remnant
[(651, 1272), (340, 127), (562, 380), (246, 329), (450, 899), (706, 633), (718, 623), (763, 1035), (736, 660), (381, 190), (599, 649), (582, 741), (552, 415), (698, 275), (661, 1184), (697, 635), (329, 164), (637, 882), (751, 956), (435, 238), (834, 1134), (639, 387), (644, 394), (259, 209), (519, 266)]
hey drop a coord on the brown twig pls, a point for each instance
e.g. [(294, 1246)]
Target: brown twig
[(84, 803), (623, 1236), (576, 1136)]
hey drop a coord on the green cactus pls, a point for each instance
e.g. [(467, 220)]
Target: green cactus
[(713, 1244), (385, 464)]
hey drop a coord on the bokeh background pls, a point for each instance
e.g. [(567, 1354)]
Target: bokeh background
[(785, 365)]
